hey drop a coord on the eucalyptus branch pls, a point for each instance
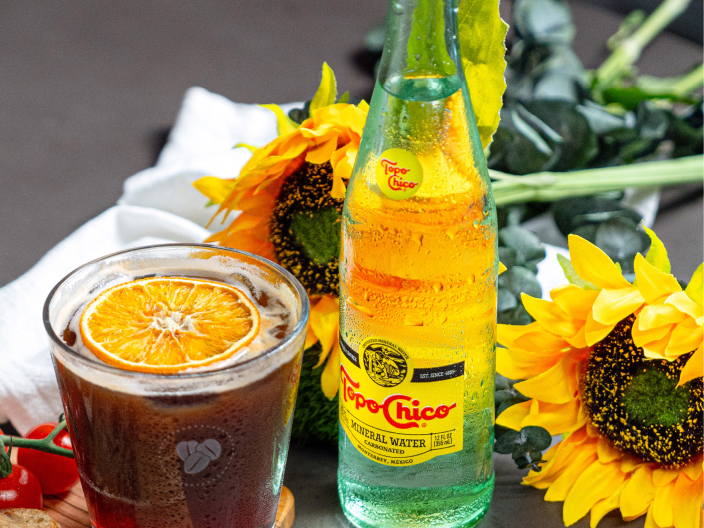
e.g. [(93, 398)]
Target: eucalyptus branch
[(551, 186), (621, 61)]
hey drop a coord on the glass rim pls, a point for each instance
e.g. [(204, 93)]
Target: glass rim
[(301, 324)]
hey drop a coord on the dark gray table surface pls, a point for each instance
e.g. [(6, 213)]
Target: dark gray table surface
[(88, 88)]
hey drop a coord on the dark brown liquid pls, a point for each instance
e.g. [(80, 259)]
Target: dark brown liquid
[(213, 460)]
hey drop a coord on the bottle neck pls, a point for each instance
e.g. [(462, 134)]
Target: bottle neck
[(420, 42)]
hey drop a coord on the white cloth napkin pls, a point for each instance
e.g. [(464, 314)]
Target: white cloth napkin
[(158, 205)]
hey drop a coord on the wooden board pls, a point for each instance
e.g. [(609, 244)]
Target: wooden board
[(70, 510)]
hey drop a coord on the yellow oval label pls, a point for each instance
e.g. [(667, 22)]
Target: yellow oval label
[(399, 174)]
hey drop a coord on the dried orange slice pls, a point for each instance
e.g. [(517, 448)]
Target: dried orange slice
[(168, 324)]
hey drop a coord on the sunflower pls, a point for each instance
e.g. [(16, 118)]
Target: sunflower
[(616, 369), (290, 194)]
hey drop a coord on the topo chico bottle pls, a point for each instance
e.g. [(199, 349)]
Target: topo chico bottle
[(418, 291)]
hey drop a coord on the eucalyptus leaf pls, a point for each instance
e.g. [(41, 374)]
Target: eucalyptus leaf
[(519, 280), (621, 240), (545, 21), (571, 213), (523, 241), (514, 316), (505, 299), (578, 143)]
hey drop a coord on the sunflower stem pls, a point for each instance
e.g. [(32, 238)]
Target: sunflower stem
[(551, 186)]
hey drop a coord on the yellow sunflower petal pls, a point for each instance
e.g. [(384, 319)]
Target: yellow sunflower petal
[(506, 335), (575, 301), (216, 189), (556, 418), (644, 337), (694, 368), (556, 385), (284, 124), (322, 152), (662, 505), (695, 288), (581, 460), (611, 306), (516, 363), (330, 378), (687, 502), (502, 268), (593, 265), (514, 415), (694, 469), (656, 349), (652, 282), (249, 147), (542, 341), (559, 457), (595, 331), (324, 319), (686, 336), (550, 316), (311, 338), (606, 451), (649, 519), (629, 463), (663, 476), (604, 506), (686, 305), (638, 493), (657, 315), (597, 482)]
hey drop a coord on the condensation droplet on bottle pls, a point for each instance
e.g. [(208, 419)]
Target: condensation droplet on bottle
[(412, 320), (398, 8)]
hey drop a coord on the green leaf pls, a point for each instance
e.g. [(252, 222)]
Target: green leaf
[(695, 288), (657, 254), (344, 98), (327, 91), (481, 37), (427, 51), (571, 274)]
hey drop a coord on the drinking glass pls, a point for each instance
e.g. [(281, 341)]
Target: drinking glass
[(202, 448)]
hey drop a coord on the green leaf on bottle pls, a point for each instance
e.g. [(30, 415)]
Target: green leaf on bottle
[(481, 37)]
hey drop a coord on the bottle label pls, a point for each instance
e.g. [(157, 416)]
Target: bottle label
[(397, 413), (399, 174)]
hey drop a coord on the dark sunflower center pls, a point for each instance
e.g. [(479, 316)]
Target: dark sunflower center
[(636, 404), (318, 233), (305, 228), (653, 398)]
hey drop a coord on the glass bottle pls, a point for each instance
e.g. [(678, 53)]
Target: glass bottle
[(418, 276)]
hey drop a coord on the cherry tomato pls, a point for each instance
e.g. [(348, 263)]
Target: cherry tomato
[(20, 489), (56, 473)]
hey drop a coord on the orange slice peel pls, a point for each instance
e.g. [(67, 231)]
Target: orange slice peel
[(168, 324)]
